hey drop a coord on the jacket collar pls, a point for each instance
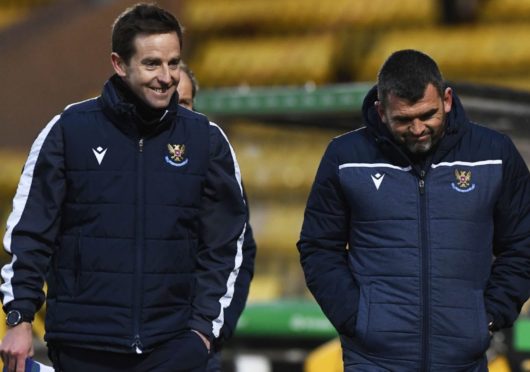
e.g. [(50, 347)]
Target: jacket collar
[(124, 113)]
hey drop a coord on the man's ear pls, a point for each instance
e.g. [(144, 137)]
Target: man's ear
[(448, 99), (380, 111), (118, 64)]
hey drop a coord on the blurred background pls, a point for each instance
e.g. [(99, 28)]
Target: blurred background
[(282, 77)]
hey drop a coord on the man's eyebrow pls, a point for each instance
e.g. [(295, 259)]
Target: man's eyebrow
[(150, 60), (426, 114), (429, 113), (400, 118)]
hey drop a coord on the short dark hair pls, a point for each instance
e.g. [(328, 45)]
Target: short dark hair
[(194, 83), (142, 18), (406, 74)]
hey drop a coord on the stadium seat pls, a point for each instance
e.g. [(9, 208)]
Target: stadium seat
[(470, 53), (266, 61), (10, 16), (277, 160), (298, 15), (497, 11)]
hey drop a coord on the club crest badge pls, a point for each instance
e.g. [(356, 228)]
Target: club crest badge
[(176, 155), (463, 181)]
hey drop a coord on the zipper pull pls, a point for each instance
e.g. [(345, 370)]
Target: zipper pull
[(137, 345), (141, 145), (421, 182)]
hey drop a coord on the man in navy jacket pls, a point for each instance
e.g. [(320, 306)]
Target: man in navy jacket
[(132, 210), (416, 236)]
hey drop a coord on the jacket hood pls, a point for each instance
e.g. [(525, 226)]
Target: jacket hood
[(455, 126), (125, 116)]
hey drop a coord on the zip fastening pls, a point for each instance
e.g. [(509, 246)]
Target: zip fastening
[(425, 273), (421, 182), (137, 345), (139, 239)]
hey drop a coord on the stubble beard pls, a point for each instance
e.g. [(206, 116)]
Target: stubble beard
[(419, 148)]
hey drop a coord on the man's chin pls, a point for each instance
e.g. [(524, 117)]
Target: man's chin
[(158, 104), (419, 148)]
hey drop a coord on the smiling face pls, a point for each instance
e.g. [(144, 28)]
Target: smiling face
[(152, 72), (418, 126)]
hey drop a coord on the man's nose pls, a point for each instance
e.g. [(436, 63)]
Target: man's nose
[(417, 127), (164, 75)]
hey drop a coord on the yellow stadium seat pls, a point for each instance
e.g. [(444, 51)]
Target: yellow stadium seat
[(503, 11), (499, 364), (327, 357), (463, 53), (266, 60), (297, 15), (11, 16), (275, 160)]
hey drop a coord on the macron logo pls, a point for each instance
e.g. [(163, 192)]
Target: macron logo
[(378, 178), (100, 153)]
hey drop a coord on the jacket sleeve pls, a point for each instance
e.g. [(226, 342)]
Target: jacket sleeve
[(242, 285), (222, 228), (509, 283), (33, 224), (322, 246)]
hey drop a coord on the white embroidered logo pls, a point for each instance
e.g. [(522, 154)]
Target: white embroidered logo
[(100, 153), (378, 178)]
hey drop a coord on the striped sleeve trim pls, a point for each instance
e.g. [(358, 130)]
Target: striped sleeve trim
[(467, 164), (226, 299), (234, 159), (19, 204), (373, 165)]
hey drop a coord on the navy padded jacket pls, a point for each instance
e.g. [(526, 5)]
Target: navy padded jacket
[(400, 257), (139, 236)]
